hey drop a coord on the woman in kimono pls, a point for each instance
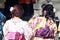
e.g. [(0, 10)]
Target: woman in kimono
[(44, 27), (15, 28)]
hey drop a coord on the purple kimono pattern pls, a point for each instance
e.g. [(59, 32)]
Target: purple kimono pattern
[(45, 32)]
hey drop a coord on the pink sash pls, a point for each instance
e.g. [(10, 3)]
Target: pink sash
[(11, 35), (15, 36)]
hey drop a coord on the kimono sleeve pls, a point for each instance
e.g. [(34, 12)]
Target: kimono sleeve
[(28, 31), (5, 28), (55, 29), (33, 23)]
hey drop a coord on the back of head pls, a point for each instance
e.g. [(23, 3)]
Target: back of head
[(49, 7), (17, 11)]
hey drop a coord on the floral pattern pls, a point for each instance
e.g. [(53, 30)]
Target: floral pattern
[(40, 23)]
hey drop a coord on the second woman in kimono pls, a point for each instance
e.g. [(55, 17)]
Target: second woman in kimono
[(44, 27)]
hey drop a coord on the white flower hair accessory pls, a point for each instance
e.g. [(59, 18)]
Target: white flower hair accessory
[(54, 10), (11, 9)]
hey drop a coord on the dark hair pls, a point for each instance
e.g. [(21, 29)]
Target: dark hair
[(49, 10), (43, 5), (17, 11)]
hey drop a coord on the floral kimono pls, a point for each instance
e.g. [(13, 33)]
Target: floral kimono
[(17, 30), (44, 29)]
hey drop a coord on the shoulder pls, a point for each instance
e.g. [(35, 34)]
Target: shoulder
[(24, 22), (39, 17), (8, 21)]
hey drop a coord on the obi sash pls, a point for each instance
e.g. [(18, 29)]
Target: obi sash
[(15, 36), (45, 32)]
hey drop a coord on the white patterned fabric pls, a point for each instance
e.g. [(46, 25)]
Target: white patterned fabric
[(17, 26)]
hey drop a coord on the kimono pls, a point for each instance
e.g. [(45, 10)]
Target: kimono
[(44, 29), (16, 27)]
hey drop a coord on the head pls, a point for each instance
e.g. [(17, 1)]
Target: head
[(49, 7), (16, 11)]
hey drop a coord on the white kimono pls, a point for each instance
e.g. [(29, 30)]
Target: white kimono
[(17, 26)]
